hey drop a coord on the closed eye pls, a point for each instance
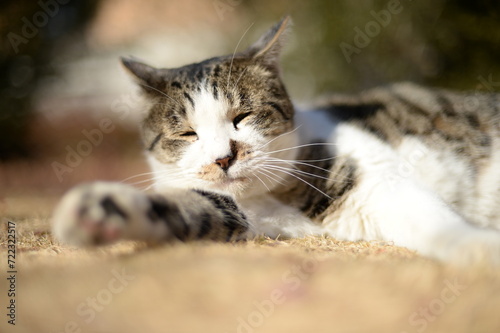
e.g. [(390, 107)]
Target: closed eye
[(191, 135), (239, 118)]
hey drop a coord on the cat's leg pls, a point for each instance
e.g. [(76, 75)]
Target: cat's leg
[(413, 217), (101, 213)]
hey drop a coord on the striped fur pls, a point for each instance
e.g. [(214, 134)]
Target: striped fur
[(231, 159)]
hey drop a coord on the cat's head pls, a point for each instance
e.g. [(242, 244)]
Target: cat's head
[(221, 123)]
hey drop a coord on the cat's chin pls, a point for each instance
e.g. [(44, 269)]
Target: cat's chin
[(234, 186), (231, 182)]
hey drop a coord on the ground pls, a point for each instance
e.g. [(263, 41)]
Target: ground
[(302, 285)]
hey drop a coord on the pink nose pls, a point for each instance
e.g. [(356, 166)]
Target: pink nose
[(225, 162)]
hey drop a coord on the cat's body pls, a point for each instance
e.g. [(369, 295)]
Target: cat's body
[(414, 166)]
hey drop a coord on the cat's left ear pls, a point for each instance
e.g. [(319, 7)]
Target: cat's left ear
[(268, 48)]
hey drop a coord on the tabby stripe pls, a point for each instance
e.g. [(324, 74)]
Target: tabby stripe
[(176, 84), (346, 185), (111, 208), (216, 71), (449, 111), (315, 200), (205, 226), (412, 107), (312, 198), (155, 141), (231, 223), (171, 215), (446, 106), (180, 228), (243, 98), (215, 92), (319, 206), (376, 131), (343, 182), (189, 99), (348, 112), (233, 218), (473, 120), (279, 109), (199, 75), (221, 202)]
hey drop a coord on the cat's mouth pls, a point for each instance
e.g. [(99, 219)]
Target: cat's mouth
[(225, 181)]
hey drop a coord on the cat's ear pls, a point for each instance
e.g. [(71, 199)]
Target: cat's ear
[(148, 77), (267, 49)]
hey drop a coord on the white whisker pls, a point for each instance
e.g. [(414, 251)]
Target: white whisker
[(234, 53), (164, 177), (276, 167), (239, 78), (152, 173), (292, 162), (305, 182), (302, 146), (279, 136), (272, 176), (278, 176), (138, 175), (268, 189), (161, 92), (153, 179), (156, 176), (320, 160)]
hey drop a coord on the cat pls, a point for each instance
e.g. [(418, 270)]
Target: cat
[(232, 159)]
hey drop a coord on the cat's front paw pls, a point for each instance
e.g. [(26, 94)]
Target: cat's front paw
[(98, 213)]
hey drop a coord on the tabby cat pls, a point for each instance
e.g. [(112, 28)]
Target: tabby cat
[(232, 159)]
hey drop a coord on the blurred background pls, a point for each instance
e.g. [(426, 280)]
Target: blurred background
[(68, 113)]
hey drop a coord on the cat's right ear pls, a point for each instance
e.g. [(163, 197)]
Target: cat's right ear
[(268, 48), (149, 78)]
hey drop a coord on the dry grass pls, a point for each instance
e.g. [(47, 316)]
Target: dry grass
[(317, 284)]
